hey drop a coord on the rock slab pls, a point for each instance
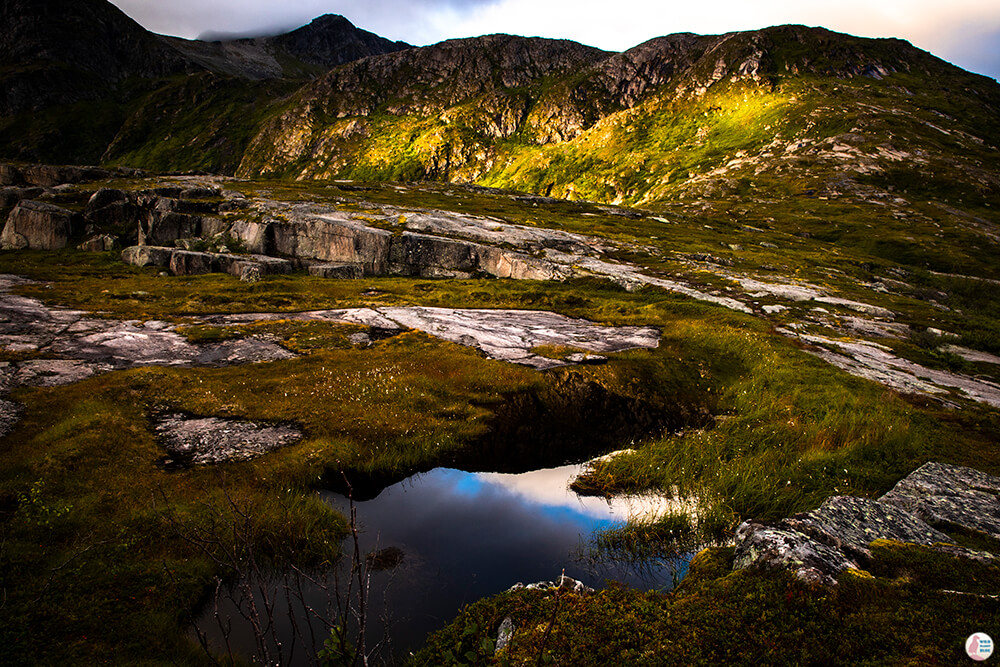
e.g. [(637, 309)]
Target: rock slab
[(820, 544), (203, 440)]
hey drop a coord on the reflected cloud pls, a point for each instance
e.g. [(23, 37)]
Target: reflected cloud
[(550, 488)]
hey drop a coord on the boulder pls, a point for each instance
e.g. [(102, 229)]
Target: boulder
[(10, 196), (250, 272), (99, 243), (818, 545), (47, 176), (161, 228), (212, 226), (188, 263), (241, 265), (340, 270), (110, 207), (776, 547), (10, 175), (199, 193), (509, 264), (432, 256), (37, 226), (146, 255)]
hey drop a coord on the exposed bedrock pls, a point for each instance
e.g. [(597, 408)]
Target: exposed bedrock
[(326, 240), (193, 440), (820, 544), (34, 225)]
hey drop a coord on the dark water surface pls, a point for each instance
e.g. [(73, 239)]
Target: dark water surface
[(464, 536)]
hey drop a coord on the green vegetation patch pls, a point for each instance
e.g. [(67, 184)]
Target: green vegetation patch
[(723, 617)]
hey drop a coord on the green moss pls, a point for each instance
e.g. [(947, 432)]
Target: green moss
[(741, 618)]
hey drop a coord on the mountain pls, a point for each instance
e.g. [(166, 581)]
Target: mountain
[(76, 74), (62, 51), (311, 50), (771, 112), (786, 107)]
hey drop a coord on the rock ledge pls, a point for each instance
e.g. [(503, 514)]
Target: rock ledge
[(820, 544)]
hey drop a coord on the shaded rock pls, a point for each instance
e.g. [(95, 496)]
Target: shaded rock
[(333, 238), (339, 270), (99, 243), (240, 265), (250, 273), (10, 175), (10, 413), (432, 256), (950, 495), (256, 237), (162, 228), (11, 196), (518, 266), (147, 256), (109, 206), (188, 263), (202, 440), (47, 176), (488, 230), (199, 193), (36, 225)]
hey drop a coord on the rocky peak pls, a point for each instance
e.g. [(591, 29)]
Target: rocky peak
[(438, 76), (332, 40)]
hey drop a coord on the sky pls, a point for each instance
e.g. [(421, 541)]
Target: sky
[(965, 32)]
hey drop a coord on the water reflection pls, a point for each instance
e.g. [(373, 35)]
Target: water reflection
[(468, 535), (463, 536)]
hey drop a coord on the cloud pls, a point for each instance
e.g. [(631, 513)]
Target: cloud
[(414, 21)]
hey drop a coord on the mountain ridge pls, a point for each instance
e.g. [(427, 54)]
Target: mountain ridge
[(679, 115)]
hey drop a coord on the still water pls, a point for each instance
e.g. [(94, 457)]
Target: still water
[(464, 536), (468, 535)]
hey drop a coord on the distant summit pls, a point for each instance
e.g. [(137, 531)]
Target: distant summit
[(332, 40), (306, 52)]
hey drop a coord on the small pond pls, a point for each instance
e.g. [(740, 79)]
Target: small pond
[(464, 536)]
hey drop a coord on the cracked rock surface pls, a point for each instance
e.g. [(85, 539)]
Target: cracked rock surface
[(820, 544), (876, 362), (505, 335), (201, 440), (956, 495)]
